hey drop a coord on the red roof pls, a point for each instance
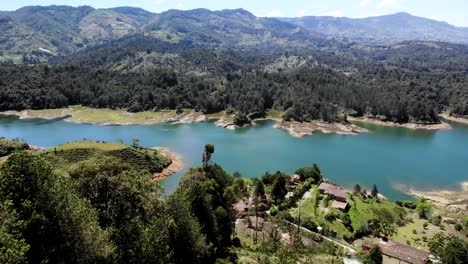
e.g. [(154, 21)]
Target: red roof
[(333, 190), (404, 252), (339, 205)]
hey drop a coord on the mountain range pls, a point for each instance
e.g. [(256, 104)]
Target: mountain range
[(38, 32)]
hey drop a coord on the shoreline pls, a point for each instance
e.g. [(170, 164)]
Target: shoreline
[(456, 200), (414, 126), (455, 119), (302, 129), (177, 164), (110, 117)]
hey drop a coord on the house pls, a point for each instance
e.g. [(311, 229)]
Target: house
[(339, 205), (241, 207), (293, 181), (404, 253), (335, 192)]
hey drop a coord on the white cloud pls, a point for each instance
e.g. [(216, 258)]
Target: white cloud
[(366, 3), (335, 13), (390, 3)]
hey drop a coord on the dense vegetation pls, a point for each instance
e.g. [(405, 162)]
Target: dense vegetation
[(98, 209), (224, 60), (141, 159), (108, 212), (239, 81), (8, 146)]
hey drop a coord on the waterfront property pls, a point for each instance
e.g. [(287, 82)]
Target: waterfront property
[(403, 253), (337, 193)]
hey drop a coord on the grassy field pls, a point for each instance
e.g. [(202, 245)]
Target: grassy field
[(363, 210), (417, 235), (64, 156), (102, 116)]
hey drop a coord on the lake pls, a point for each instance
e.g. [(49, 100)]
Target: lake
[(392, 158)]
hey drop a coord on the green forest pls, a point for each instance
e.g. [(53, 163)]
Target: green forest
[(305, 85), (75, 204)]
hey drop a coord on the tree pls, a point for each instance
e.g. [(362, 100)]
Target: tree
[(309, 172), (423, 207), (357, 189), (374, 191), (279, 187), (120, 193), (259, 190), (13, 247), (136, 142), (450, 250), (455, 251), (209, 150), (436, 243), (60, 226), (375, 255)]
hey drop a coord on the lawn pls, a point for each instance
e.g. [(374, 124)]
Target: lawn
[(406, 233), (89, 144), (362, 211), (310, 211)]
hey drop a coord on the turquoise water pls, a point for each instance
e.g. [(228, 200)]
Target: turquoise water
[(388, 157)]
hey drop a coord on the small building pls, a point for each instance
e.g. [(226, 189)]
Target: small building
[(293, 181), (404, 253), (241, 207), (339, 205), (335, 192)]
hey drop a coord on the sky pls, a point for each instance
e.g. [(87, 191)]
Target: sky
[(452, 11)]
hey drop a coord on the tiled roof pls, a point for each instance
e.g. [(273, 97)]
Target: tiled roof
[(404, 252), (339, 205)]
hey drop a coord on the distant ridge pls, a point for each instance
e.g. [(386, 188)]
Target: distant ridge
[(395, 27), (64, 30)]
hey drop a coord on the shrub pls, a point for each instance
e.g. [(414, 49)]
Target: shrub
[(236, 242), (458, 227)]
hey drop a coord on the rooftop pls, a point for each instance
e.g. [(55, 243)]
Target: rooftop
[(334, 190), (404, 252)]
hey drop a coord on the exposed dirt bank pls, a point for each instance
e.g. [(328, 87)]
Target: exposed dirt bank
[(301, 129), (176, 166), (455, 119), (457, 200), (415, 126)]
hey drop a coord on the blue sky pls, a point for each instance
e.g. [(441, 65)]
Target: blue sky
[(451, 11)]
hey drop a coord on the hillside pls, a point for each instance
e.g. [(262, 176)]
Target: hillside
[(35, 33), (384, 29), (65, 156)]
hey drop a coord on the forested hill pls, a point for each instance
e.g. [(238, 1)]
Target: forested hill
[(384, 29), (46, 31), (221, 60)]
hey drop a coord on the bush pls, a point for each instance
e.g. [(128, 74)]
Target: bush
[(458, 227), (236, 242)]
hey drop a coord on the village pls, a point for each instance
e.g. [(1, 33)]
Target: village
[(315, 210)]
